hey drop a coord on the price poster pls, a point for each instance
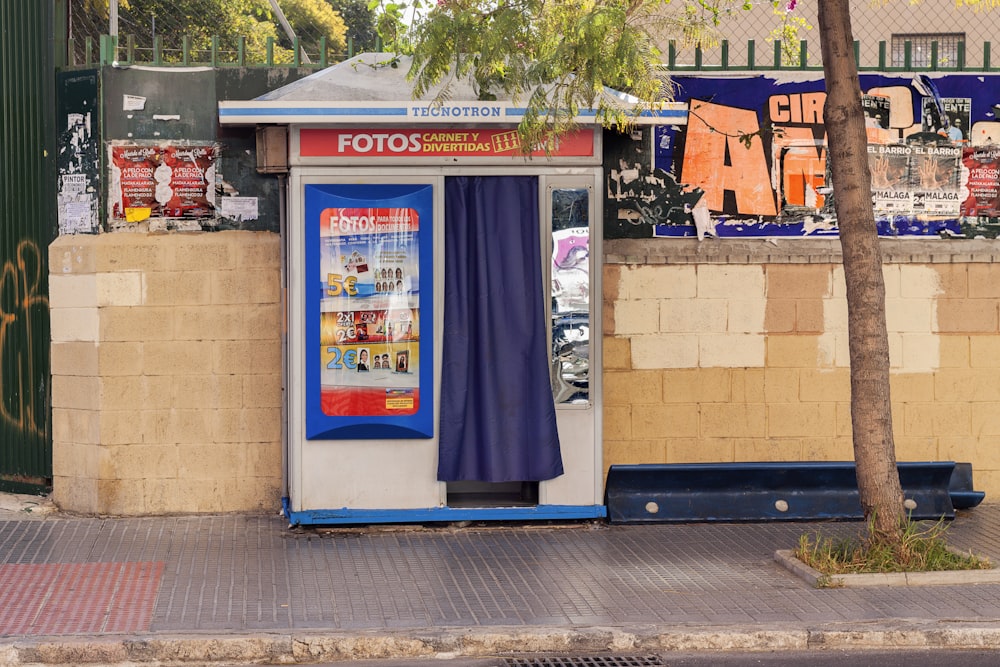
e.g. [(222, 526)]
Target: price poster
[(369, 323), (369, 308)]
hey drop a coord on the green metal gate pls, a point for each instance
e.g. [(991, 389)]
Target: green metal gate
[(27, 226)]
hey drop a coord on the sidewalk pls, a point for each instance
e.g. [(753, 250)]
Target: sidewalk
[(239, 588)]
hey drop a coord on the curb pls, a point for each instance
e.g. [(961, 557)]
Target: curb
[(306, 648)]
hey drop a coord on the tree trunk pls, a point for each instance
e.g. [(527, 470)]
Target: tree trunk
[(871, 411)]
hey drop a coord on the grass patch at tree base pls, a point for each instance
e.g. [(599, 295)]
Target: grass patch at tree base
[(923, 548)]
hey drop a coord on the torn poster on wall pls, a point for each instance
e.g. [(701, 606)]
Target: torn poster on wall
[(751, 160), (77, 192), (77, 160), (161, 181)]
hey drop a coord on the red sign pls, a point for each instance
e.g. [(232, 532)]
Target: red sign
[(133, 184), (162, 181), (983, 184), (453, 142)]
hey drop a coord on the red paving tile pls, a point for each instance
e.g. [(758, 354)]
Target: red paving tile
[(68, 598)]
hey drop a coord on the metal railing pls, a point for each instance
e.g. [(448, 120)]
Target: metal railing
[(932, 35), (696, 59), (126, 51)]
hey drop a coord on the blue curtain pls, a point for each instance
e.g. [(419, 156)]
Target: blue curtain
[(498, 421)]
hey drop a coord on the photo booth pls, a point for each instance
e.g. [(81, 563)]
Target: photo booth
[(443, 305)]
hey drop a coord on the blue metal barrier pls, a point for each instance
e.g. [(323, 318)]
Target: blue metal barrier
[(774, 491), (960, 488)]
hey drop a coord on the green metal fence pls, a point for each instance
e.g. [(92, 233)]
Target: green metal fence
[(751, 29), (906, 60), (907, 56), (27, 226), (126, 51)]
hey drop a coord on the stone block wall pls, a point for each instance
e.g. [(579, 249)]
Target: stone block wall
[(737, 351), (166, 361), (166, 372)]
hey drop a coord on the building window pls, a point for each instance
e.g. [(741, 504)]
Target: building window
[(920, 48)]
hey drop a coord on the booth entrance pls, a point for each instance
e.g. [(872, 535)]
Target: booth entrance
[(443, 342)]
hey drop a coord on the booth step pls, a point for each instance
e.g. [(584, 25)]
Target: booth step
[(775, 491)]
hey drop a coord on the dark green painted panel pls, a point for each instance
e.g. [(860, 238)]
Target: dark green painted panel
[(180, 106), (27, 226), (238, 157)]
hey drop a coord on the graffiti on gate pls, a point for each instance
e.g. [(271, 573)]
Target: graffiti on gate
[(24, 309)]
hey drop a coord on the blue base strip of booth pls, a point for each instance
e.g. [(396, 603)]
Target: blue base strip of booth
[(347, 516)]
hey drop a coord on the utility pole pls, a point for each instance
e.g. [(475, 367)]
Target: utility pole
[(286, 26)]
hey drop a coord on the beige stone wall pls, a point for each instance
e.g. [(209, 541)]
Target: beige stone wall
[(737, 351), (166, 361), (166, 372)]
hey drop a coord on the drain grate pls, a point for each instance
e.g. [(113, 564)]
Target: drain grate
[(587, 661)]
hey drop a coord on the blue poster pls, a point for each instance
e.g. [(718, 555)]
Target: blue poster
[(751, 159), (369, 358)]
